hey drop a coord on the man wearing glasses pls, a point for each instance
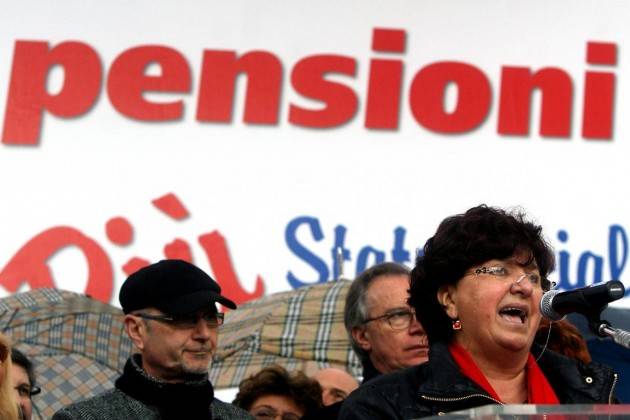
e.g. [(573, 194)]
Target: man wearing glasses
[(171, 318), (23, 382), (383, 329)]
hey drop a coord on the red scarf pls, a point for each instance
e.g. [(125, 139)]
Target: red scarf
[(538, 389)]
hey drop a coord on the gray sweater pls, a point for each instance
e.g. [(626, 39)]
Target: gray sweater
[(143, 397), (116, 405)]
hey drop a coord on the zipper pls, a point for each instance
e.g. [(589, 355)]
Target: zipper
[(457, 399), (440, 399), (612, 389)]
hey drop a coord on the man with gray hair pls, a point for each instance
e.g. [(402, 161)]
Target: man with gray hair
[(172, 319), (382, 327)]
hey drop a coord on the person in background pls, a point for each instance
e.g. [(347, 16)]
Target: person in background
[(23, 383), (273, 393), (477, 289), (9, 409), (383, 328), (336, 384), (172, 319), (564, 338)]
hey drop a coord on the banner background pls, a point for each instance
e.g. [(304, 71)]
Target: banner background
[(249, 182)]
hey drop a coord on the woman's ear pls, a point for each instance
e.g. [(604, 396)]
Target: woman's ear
[(447, 296)]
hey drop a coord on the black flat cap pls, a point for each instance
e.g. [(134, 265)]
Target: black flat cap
[(172, 286)]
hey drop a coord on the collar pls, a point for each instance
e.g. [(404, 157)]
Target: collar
[(573, 382), (190, 399), (444, 378), (538, 389), (369, 371)]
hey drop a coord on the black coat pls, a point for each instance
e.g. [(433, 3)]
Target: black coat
[(438, 386)]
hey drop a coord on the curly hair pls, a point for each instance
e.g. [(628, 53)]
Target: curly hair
[(305, 392), (462, 241)]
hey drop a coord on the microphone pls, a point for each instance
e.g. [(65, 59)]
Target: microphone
[(590, 300)]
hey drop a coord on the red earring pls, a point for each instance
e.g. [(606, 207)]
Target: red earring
[(457, 325)]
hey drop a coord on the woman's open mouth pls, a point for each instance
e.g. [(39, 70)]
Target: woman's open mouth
[(514, 314)]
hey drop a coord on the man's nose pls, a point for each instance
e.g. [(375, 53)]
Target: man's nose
[(202, 329), (415, 327)]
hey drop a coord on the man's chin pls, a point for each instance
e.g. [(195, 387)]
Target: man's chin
[(200, 368)]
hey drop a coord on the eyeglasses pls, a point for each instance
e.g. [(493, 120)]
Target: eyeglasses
[(398, 319), (268, 413), (187, 321), (26, 391), (502, 271)]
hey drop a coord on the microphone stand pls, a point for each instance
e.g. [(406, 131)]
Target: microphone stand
[(619, 336), (602, 328)]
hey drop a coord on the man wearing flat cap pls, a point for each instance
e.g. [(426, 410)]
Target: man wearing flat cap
[(171, 317)]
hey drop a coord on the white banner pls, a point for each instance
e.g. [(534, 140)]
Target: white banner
[(253, 138)]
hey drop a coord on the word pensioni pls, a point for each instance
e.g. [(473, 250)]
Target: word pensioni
[(127, 82)]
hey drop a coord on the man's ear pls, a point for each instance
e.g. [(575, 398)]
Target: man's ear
[(361, 337), (136, 330), (447, 296)]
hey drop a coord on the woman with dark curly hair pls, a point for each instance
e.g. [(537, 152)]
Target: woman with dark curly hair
[(476, 290), (273, 393)]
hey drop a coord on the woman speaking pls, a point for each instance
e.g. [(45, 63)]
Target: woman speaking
[(476, 290)]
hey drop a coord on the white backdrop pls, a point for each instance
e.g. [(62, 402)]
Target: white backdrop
[(251, 182)]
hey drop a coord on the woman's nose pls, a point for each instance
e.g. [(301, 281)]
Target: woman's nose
[(525, 283)]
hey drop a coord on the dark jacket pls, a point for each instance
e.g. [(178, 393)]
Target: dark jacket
[(438, 387), (139, 396)]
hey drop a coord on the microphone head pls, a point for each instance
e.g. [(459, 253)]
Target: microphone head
[(546, 308), (616, 290)]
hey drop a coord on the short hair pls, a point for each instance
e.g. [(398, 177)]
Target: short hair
[(462, 241), (275, 380), (356, 311), (18, 358)]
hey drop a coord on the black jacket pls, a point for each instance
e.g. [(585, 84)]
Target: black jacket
[(438, 387)]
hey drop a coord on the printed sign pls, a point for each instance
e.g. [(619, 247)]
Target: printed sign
[(288, 144)]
